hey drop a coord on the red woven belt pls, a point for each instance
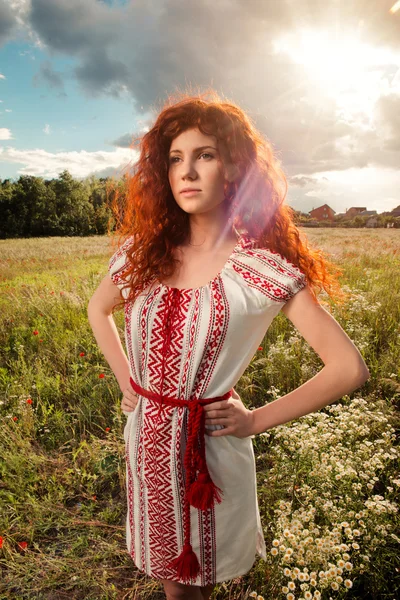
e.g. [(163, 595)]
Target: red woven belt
[(200, 490)]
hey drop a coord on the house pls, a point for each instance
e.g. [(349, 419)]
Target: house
[(354, 211), (322, 213), (395, 212), (367, 213), (372, 222)]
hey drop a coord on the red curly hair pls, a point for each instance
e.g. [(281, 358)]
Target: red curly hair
[(146, 211)]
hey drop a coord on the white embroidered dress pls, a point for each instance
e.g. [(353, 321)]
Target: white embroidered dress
[(216, 330)]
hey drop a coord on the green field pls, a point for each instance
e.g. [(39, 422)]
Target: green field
[(328, 483)]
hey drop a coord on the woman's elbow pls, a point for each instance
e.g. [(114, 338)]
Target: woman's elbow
[(359, 373)]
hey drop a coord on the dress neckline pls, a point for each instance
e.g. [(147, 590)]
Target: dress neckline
[(243, 241)]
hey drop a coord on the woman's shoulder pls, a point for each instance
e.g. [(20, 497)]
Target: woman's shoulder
[(267, 270)]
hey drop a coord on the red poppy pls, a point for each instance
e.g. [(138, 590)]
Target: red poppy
[(35, 332), (81, 354), (23, 545), (94, 497), (15, 418), (260, 347), (29, 401), (107, 428), (1, 541), (40, 340), (101, 376)]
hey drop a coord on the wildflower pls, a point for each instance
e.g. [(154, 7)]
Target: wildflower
[(81, 354), (15, 418), (348, 566), (23, 545), (101, 376), (291, 585), (260, 347), (290, 596), (40, 340), (253, 595), (107, 428), (286, 572), (35, 332), (348, 583), (275, 543), (307, 595), (274, 551), (29, 401), (285, 589), (260, 597), (334, 585), (94, 497), (1, 541)]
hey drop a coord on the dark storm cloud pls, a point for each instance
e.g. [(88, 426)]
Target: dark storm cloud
[(73, 26), (7, 21), (149, 49)]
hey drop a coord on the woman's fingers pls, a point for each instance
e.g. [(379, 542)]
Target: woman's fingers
[(129, 400)]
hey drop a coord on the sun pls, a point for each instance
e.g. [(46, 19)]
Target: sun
[(341, 66)]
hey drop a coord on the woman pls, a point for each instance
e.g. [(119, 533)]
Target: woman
[(210, 256)]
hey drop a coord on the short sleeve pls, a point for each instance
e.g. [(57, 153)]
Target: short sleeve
[(269, 273), (292, 278), (117, 266)]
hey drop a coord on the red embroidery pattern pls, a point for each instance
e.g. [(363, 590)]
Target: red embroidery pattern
[(194, 321), (130, 499), (161, 525), (271, 279), (172, 375), (217, 328), (208, 546)]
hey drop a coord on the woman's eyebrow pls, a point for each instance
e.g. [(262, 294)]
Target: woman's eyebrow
[(195, 149)]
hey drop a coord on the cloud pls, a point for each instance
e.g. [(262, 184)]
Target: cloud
[(8, 21), (146, 50), (5, 134), (47, 75), (2, 76), (46, 129), (79, 163)]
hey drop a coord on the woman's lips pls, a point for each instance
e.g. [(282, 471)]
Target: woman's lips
[(191, 192)]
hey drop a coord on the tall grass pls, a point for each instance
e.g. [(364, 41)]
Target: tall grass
[(328, 482)]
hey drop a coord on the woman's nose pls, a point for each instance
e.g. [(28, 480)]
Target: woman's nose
[(188, 170)]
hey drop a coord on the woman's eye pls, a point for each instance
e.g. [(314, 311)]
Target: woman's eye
[(174, 159)]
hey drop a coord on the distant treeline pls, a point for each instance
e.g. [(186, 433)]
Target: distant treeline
[(34, 207)]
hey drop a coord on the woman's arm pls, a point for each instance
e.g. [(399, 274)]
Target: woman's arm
[(344, 369), (100, 308)]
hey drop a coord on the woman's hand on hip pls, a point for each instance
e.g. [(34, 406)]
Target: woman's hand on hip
[(129, 399), (232, 414)]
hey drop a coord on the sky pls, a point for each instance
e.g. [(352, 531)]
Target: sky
[(320, 80)]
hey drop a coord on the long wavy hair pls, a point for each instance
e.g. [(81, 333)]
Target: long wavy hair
[(145, 210)]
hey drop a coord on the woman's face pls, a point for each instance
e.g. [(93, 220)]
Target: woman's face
[(195, 162)]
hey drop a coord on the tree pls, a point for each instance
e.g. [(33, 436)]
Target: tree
[(74, 210)]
